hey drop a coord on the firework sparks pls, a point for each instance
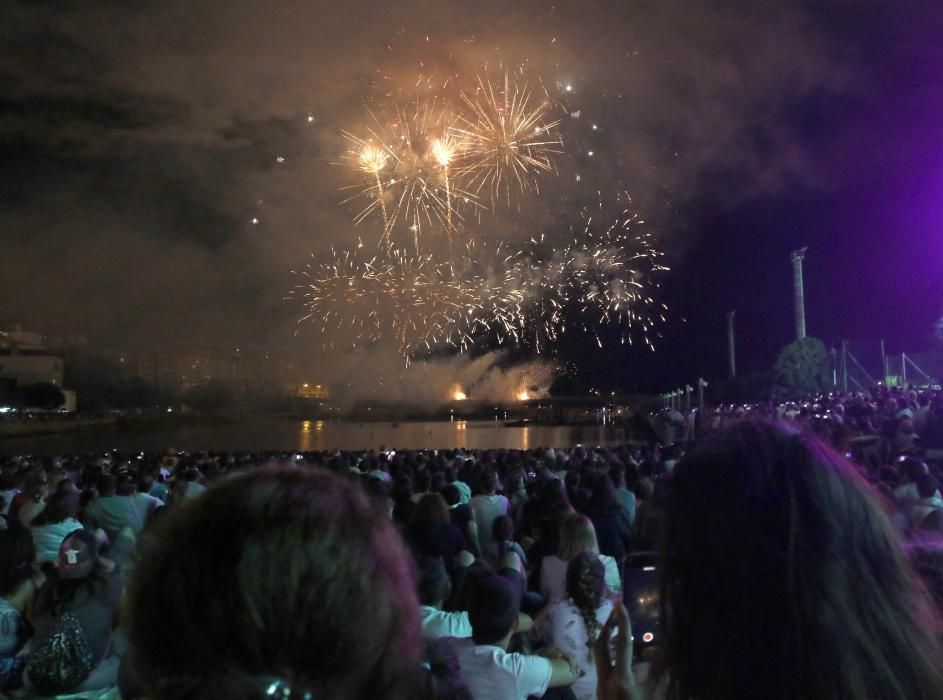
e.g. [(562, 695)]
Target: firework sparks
[(506, 138), (405, 158)]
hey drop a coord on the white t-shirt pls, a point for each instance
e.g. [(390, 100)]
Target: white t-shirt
[(437, 623), (485, 509), (561, 626), (493, 674), (464, 491), (47, 538), (553, 577)]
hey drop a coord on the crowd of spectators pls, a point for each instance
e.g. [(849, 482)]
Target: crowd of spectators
[(797, 552)]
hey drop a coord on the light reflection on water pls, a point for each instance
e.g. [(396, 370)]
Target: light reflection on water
[(259, 434)]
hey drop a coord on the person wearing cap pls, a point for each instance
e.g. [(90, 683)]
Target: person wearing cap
[(489, 670), (83, 586)]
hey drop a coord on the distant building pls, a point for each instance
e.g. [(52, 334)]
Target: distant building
[(25, 359), (312, 391), (31, 368)]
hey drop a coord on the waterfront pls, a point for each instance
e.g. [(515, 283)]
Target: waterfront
[(283, 434)]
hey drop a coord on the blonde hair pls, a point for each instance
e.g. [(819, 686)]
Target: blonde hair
[(577, 534)]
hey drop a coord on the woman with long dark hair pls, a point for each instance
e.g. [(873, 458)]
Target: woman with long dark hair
[(782, 578)]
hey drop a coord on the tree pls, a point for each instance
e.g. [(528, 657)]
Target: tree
[(43, 395), (801, 369)]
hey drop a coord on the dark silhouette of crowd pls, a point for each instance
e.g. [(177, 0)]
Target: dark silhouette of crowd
[(786, 569)]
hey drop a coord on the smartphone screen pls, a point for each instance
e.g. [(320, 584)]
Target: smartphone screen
[(641, 597)]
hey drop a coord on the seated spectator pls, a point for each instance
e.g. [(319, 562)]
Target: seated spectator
[(30, 503), (79, 603), (288, 583), (611, 521), (485, 507), (489, 670), (118, 507), (502, 532), (17, 590), (54, 523), (577, 535), (572, 624), (624, 496), (775, 550), (906, 494), (431, 532), (435, 586), (928, 488)]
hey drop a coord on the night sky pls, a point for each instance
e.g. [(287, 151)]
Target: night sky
[(140, 140)]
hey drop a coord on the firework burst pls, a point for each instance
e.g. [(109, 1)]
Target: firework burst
[(404, 162), (506, 138)]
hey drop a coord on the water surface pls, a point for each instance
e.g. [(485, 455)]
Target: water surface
[(272, 434)]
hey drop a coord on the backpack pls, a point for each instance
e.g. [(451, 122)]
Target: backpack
[(62, 660)]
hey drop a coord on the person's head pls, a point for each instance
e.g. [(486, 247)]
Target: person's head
[(493, 607), (781, 577), (502, 529), (603, 498), (451, 494), (107, 485), (17, 554), (422, 481), (443, 678), (488, 482), (36, 487), (279, 573), (434, 584), (67, 486), (124, 484), (431, 508), (59, 506), (586, 586), (577, 534)]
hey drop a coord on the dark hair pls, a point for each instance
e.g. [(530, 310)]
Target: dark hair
[(502, 530), (431, 508), (586, 586), (17, 553), (603, 499), (782, 578), (451, 494), (492, 608), (443, 677), (433, 583), (488, 481), (927, 486), (281, 572), (56, 509)]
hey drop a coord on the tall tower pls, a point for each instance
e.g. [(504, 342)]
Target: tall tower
[(797, 256), (730, 345)]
